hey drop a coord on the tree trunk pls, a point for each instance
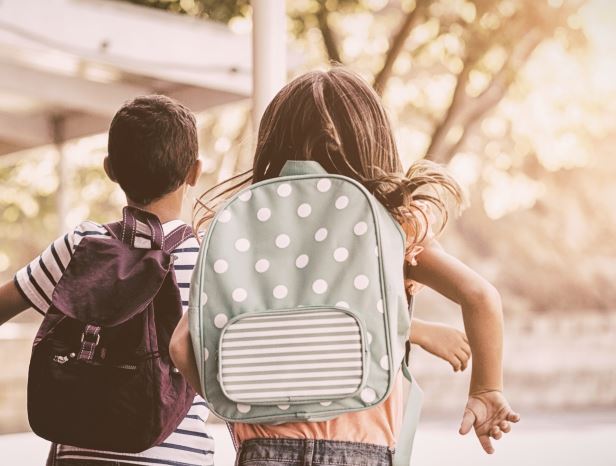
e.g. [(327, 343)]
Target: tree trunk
[(436, 150), (329, 39), (397, 45), (465, 112)]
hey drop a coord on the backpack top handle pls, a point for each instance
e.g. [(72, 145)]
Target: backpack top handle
[(129, 226), (126, 232)]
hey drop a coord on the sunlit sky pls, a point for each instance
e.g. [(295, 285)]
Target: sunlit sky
[(599, 18)]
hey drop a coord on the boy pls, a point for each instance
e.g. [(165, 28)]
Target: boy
[(153, 156)]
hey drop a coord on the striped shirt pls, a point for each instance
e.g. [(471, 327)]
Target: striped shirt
[(190, 444)]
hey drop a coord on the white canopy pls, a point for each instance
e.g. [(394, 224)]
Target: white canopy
[(77, 61)]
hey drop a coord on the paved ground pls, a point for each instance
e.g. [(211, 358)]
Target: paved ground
[(575, 440)]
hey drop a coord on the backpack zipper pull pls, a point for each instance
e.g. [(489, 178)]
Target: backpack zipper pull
[(60, 359)]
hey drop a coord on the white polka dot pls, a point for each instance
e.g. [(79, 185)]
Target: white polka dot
[(368, 395), (203, 299), (284, 407), (262, 265), (206, 354), (284, 190), (379, 306), (384, 363), (304, 210), (342, 202), (221, 266), (301, 261), (360, 228), (361, 282), (325, 403), (319, 286), (245, 196), (263, 214), (369, 337), (282, 241), (225, 216), (242, 245), (343, 304), (321, 234), (280, 292), (242, 408), (239, 295), (323, 185), (220, 320), (341, 254)]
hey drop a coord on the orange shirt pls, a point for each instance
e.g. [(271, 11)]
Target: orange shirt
[(379, 425)]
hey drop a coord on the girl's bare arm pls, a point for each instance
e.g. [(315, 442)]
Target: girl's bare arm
[(487, 409), (481, 311)]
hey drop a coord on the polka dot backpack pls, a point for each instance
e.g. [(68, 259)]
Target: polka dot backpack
[(297, 309)]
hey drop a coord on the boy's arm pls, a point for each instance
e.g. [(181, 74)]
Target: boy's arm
[(487, 410), (11, 302), (182, 354), (443, 341)]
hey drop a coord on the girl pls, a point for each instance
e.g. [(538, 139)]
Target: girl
[(335, 118)]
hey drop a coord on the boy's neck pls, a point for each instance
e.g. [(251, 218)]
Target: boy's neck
[(167, 208)]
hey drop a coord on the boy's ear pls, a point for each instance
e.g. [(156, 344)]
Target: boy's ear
[(108, 170), (194, 173)]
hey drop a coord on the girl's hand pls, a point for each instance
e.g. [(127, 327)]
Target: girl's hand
[(491, 416), (443, 341)]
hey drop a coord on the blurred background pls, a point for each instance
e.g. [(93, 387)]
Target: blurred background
[(517, 97)]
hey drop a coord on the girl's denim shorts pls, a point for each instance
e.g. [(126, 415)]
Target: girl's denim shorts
[(299, 452)]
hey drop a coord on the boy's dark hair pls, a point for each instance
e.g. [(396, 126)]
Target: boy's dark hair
[(152, 146)]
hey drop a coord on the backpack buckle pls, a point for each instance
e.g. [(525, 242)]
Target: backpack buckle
[(89, 341), (98, 338)]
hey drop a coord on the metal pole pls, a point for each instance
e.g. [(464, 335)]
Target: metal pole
[(56, 123), (269, 67)]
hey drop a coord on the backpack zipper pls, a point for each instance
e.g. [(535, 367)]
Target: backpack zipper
[(59, 359), (131, 367)]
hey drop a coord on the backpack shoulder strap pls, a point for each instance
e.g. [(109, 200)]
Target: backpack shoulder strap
[(176, 237), (114, 229), (412, 412)]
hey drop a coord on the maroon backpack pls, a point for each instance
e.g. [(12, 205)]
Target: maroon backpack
[(100, 373)]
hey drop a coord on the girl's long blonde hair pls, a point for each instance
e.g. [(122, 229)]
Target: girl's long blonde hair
[(335, 118)]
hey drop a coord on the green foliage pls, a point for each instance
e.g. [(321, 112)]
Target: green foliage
[(216, 10), (28, 209)]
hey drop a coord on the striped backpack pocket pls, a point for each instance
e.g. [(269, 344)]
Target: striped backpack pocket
[(292, 356)]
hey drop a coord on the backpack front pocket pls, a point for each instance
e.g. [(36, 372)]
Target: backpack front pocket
[(293, 356)]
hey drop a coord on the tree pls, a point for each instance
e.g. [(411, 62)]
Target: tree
[(215, 10), (516, 29), (510, 29)]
